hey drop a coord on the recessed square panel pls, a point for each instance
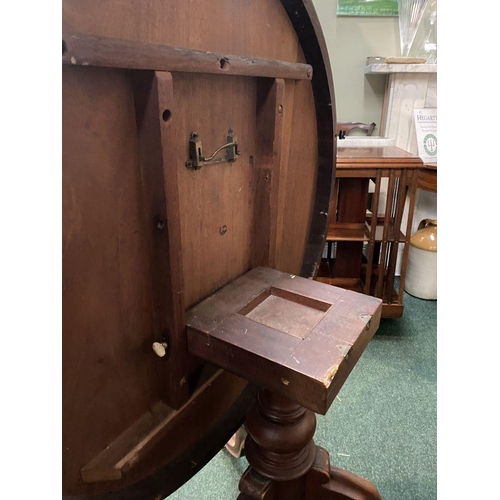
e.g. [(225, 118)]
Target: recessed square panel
[(289, 334), (285, 311)]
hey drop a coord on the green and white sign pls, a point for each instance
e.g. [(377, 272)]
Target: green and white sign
[(426, 131), (367, 8)]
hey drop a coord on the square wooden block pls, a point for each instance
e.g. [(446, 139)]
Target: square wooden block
[(292, 335)]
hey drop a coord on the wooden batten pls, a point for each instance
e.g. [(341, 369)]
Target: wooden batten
[(136, 442), (125, 451), (379, 288), (86, 50), (411, 210), (399, 208), (270, 110), (155, 108), (373, 228)]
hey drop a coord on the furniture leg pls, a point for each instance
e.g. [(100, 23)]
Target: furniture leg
[(284, 461)]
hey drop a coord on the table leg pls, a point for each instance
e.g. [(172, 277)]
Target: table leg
[(284, 461)]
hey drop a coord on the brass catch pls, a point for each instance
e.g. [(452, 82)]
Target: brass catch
[(196, 158)]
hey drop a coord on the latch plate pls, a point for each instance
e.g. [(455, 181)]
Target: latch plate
[(196, 158)]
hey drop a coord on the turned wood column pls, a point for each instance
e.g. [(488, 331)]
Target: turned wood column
[(285, 464), (280, 442)]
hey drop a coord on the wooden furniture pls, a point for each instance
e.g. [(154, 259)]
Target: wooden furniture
[(426, 177), (298, 340), (365, 233), (407, 87), (190, 135)]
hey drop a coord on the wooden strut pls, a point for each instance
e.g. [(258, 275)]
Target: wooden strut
[(86, 50)]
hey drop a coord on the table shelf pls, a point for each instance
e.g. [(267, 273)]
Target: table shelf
[(348, 232), (363, 233)]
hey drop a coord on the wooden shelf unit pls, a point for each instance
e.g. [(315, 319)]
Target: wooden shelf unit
[(363, 249)]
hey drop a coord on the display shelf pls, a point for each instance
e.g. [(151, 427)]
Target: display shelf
[(363, 250), (385, 69), (348, 232), (392, 306), (353, 284), (363, 233)]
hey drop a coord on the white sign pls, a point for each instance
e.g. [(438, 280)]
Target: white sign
[(426, 130)]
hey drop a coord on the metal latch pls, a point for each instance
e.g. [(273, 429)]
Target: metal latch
[(196, 158)]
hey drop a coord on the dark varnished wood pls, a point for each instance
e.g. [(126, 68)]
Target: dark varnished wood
[(280, 443), (284, 461), (352, 199), (400, 199), (332, 483), (427, 177)]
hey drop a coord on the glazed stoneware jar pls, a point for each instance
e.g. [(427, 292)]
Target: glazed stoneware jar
[(421, 274)]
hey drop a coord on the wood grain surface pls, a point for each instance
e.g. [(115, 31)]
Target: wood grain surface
[(144, 237), (302, 346), (88, 50)]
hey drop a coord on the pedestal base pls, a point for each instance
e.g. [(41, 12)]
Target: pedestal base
[(299, 340), (285, 464), (329, 483)]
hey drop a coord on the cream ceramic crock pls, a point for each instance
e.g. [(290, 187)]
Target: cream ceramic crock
[(421, 274)]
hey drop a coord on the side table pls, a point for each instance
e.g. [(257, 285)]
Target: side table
[(365, 233)]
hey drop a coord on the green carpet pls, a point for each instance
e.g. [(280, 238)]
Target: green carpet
[(382, 426)]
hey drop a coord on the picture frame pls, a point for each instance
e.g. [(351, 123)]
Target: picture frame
[(373, 8)]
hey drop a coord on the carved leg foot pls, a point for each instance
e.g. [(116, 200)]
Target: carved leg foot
[(331, 483)]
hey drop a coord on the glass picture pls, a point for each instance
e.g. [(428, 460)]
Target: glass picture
[(367, 8)]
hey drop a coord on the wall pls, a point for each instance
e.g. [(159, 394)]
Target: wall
[(360, 97), (350, 41)]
